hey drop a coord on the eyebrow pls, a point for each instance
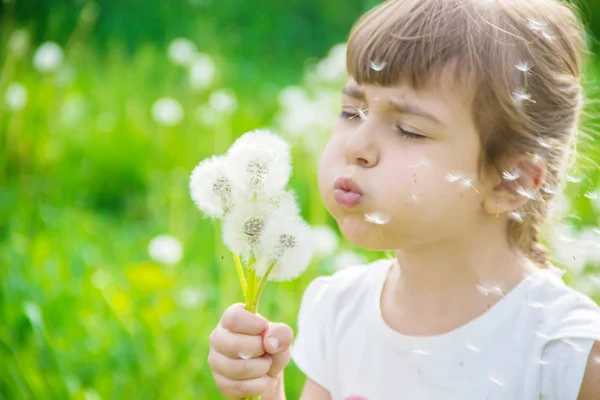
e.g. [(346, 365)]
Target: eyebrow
[(403, 108)]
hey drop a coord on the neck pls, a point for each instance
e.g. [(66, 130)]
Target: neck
[(444, 277)]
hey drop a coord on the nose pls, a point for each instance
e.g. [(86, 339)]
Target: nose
[(361, 147)]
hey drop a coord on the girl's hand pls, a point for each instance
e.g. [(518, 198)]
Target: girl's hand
[(248, 354)]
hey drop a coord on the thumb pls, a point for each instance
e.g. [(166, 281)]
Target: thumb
[(277, 341)]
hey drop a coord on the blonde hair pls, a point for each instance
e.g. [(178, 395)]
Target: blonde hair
[(524, 58)]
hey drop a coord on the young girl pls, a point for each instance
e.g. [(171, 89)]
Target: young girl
[(454, 132)]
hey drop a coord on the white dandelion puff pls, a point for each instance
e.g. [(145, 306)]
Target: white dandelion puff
[(515, 216), (496, 381), (472, 347), (288, 243), (211, 187), (181, 51), (591, 195), (488, 288), (326, 240), (520, 95), (511, 175), (201, 71), (165, 249), (377, 218), (523, 66), (48, 57), (15, 96), (377, 65), (260, 162), (242, 228), (521, 191), (167, 111)]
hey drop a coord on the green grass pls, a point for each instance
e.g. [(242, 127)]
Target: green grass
[(85, 313)]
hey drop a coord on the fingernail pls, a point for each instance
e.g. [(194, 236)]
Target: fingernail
[(274, 342)]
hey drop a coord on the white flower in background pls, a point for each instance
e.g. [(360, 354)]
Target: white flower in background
[(15, 96), (192, 297), (333, 67), (260, 162), (18, 43), (243, 226), (202, 71), (33, 313), (287, 242), (167, 111), (326, 240), (348, 259), (48, 57), (223, 101), (165, 249), (211, 188), (181, 51)]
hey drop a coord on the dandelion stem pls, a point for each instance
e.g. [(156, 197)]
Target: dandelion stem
[(240, 271), (262, 285)]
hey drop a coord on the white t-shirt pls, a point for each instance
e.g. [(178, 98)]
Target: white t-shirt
[(532, 344)]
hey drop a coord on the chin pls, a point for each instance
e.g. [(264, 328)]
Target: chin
[(361, 233)]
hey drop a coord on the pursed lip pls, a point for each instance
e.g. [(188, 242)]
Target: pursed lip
[(347, 185)]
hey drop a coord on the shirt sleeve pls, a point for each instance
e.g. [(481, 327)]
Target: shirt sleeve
[(563, 366), (309, 350)]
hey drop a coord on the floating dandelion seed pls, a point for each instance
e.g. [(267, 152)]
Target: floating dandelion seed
[(473, 348), (496, 381), (546, 189), (452, 177), (377, 65), (490, 288), (377, 218), (536, 304), (548, 36), (523, 66), (362, 114), (414, 197), (243, 356), (511, 176), (520, 95), (596, 230), (537, 25), (515, 216), (542, 335), (591, 195), (421, 163), (572, 344), (541, 142), (573, 179), (539, 361), (525, 193), (421, 352)]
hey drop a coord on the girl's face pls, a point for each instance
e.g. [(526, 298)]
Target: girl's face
[(413, 157)]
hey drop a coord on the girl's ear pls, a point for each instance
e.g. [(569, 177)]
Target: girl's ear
[(519, 183)]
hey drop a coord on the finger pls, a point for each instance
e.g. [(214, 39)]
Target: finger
[(236, 345), (278, 338), (237, 319), (239, 369), (279, 362), (235, 390)]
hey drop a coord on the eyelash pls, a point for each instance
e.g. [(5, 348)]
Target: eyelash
[(406, 134)]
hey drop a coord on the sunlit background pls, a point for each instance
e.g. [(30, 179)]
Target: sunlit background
[(110, 279)]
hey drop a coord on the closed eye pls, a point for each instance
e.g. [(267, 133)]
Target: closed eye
[(409, 134), (349, 115)]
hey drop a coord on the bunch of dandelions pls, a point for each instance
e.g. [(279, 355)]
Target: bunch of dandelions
[(261, 223)]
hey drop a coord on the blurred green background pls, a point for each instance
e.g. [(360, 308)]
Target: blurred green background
[(110, 280)]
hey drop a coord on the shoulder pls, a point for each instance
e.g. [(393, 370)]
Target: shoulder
[(590, 386)]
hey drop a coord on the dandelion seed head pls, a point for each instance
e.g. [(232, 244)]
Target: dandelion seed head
[(211, 188), (252, 228), (377, 65)]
